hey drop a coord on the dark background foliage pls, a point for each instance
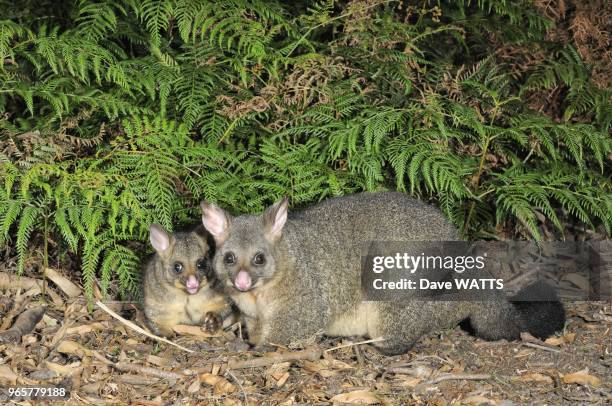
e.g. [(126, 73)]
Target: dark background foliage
[(119, 114)]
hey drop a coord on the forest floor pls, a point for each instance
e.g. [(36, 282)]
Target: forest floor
[(100, 360)]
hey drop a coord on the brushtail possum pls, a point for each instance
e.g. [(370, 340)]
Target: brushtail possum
[(299, 275), (178, 283)]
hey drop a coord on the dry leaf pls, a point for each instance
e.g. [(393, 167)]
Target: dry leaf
[(566, 338), (326, 367), (28, 339), (523, 353), (55, 297), (194, 387), (49, 321), (578, 280), (281, 381), (554, 341), (32, 292), (358, 397), (92, 388), (569, 337), (123, 357), (61, 333), (477, 400), (64, 370), (220, 384), (74, 348), (7, 375), (276, 371), (155, 360), (209, 379), (534, 377), (85, 328), (67, 286), (409, 381), (582, 378), (437, 401)]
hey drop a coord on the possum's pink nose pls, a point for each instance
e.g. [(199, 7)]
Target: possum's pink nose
[(243, 281), (192, 284)]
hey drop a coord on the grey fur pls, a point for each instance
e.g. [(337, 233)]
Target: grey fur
[(311, 282)]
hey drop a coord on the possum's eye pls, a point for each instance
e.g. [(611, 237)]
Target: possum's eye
[(229, 258), (259, 259), (178, 267), (202, 265)]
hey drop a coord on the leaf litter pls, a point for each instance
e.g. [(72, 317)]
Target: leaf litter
[(102, 361)]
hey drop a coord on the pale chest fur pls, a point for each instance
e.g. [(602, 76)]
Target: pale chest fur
[(196, 306), (258, 304), (191, 309)]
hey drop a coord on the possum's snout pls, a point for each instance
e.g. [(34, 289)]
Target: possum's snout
[(243, 281), (192, 284)]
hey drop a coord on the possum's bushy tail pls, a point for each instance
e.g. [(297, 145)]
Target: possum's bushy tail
[(536, 309), (541, 311)]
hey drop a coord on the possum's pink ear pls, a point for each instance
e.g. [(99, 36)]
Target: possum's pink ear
[(160, 240), (275, 218), (215, 220)]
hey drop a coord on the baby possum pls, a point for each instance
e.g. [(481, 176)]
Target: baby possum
[(178, 283)]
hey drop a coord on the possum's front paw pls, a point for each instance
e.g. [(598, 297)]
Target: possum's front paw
[(212, 322)]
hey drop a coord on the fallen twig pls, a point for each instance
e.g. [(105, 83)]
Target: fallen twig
[(138, 380), (540, 347), (138, 329), (145, 402), (127, 367), (530, 341), (373, 340), (25, 323), (450, 377), (311, 355), (244, 395)]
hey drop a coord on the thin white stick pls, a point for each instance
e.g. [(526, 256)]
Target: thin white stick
[(540, 347), (246, 398), (373, 340), (138, 329)]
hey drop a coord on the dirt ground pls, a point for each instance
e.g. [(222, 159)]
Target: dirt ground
[(99, 360)]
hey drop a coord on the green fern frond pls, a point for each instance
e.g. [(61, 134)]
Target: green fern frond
[(26, 225)]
